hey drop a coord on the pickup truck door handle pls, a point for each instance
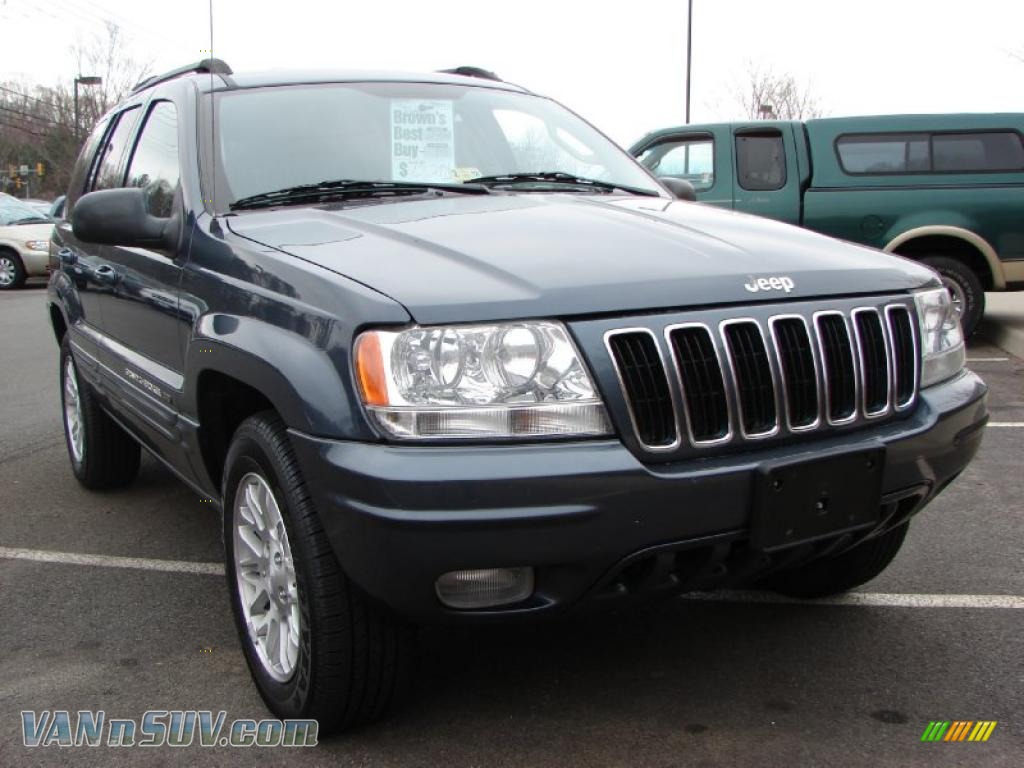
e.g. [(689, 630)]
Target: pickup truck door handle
[(67, 256), (106, 274)]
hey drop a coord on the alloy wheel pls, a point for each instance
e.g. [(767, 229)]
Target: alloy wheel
[(265, 577)]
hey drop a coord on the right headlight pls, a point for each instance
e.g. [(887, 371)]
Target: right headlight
[(942, 340), (504, 380)]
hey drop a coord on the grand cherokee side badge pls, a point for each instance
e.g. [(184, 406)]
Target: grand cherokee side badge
[(770, 284)]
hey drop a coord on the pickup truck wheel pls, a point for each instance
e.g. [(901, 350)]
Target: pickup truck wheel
[(964, 286), (12, 271), (315, 646), (102, 454), (852, 568)]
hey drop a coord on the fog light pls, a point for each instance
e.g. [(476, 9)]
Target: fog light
[(485, 587)]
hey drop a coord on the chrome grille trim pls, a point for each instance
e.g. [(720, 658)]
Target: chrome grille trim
[(729, 405), (891, 310), (732, 376), (818, 372), (672, 388), (890, 385), (841, 354)]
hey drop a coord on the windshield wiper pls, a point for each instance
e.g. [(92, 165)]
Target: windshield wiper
[(30, 220), (340, 188), (559, 177)]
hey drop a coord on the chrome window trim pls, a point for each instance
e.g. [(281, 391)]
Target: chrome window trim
[(816, 364), (729, 396), (674, 445), (890, 378), (772, 372)]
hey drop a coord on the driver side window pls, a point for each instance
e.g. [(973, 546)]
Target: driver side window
[(691, 159), (154, 165)]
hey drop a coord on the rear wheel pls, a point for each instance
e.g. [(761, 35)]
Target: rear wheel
[(964, 287), (852, 568), (315, 646), (102, 454), (12, 271)]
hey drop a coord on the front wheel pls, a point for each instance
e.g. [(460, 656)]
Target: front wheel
[(833, 575), (12, 271), (965, 288), (315, 646)]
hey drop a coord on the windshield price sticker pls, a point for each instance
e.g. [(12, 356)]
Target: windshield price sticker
[(422, 140)]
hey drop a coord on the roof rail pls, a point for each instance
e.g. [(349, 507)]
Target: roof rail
[(211, 66), (471, 72)]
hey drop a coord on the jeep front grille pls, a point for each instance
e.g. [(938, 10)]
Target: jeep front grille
[(752, 378), (642, 374)]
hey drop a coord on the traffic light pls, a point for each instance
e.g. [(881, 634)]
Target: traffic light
[(17, 182), (39, 169)]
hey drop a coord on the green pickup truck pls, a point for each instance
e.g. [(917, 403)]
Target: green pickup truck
[(946, 190)]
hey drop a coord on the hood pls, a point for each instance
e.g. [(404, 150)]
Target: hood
[(502, 256)]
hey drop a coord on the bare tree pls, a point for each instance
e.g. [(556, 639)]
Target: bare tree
[(771, 96), (37, 122)]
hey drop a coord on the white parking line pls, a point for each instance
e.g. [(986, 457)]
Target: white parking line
[(863, 599), (108, 561), (1006, 423), (987, 359), (870, 599)]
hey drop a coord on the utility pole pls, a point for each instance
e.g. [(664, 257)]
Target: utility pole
[(689, 54)]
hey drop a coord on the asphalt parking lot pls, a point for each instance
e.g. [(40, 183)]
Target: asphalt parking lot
[(719, 682)]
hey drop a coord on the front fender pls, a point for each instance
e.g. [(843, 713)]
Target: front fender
[(308, 384)]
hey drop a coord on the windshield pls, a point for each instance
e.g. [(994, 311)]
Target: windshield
[(14, 211), (274, 138)]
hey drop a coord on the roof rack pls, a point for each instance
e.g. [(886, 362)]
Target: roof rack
[(471, 72), (211, 66)]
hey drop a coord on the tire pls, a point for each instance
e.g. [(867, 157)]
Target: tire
[(102, 455), (850, 569), (351, 660), (12, 271), (965, 287)]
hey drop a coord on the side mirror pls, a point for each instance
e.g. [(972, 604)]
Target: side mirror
[(119, 217), (682, 189)]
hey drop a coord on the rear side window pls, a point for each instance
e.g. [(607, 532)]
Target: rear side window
[(761, 161), (977, 152), (884, 153), (154, 165), (692, 159), (107, 169)]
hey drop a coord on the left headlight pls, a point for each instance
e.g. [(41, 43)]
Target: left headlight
[(37, 245), (508, 380), (942, 340)]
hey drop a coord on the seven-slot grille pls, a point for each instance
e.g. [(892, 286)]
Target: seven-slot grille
[(749, 378)]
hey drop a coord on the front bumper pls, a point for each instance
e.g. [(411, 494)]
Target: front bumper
[(591, 518), (35, 262)]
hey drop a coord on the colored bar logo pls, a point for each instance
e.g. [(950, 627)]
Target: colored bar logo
[(958, 730)]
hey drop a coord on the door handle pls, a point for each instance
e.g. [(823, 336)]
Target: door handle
[(106, 274), (67, 256)]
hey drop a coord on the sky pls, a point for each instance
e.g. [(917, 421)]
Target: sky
[(622, 65)]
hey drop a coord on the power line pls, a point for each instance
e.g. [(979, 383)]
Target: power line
[(23, 128), (21, 95)]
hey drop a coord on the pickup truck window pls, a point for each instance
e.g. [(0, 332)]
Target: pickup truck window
[(761, 161), (689, 159), (995, 151), (154, 166), (977, 152)]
